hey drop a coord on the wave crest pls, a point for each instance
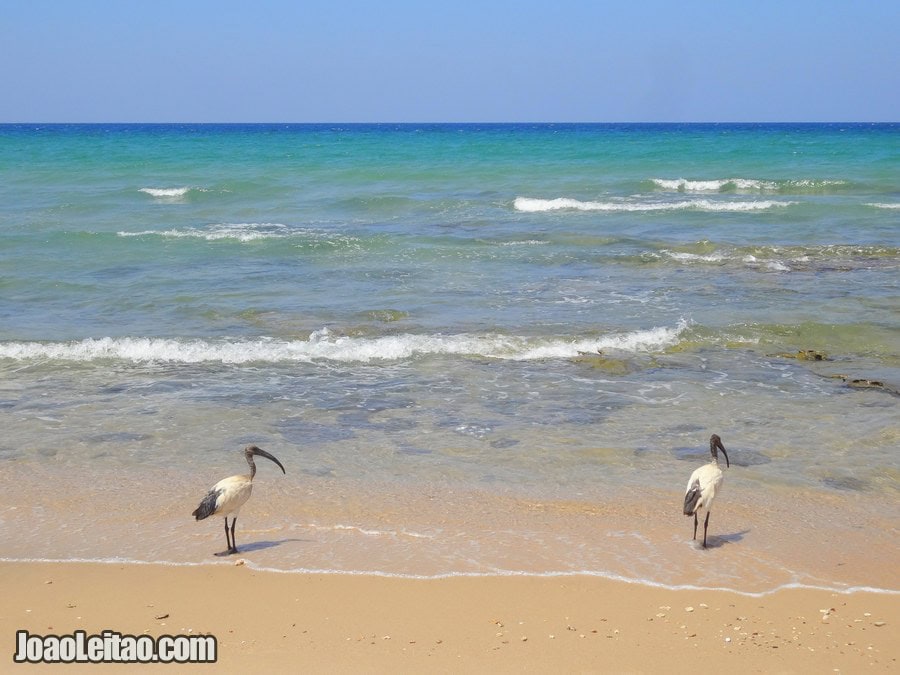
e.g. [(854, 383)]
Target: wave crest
[(745, 185), (167, 193), (323, 345), (532, 205), (250, 232)]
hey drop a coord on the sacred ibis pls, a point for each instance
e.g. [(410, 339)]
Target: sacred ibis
[(703, 485), (229, 494)]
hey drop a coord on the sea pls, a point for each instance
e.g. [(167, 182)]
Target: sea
[(477, 349)]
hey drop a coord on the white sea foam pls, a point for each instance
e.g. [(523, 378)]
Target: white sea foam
[(720, 257), (167, 193), (527, 242), (696, 257), (742, 185), (372, 533), (323, 345), (561, 574), (532, 205), (243, 232), (883, 205), (717, 185), (238, 231)]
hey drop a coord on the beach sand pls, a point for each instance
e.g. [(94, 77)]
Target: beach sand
[(286, 622)]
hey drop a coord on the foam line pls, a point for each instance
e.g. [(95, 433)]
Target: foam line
[(848, 590)]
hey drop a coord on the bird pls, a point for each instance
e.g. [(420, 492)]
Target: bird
[(228, 496), (703, 485)]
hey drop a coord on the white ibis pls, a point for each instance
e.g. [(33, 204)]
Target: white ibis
[(703, 485), (229, 494)]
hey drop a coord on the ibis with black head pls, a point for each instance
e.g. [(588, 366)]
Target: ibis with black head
[(704, 484), (228, 496)]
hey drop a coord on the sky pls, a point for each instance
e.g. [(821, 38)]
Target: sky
[(449, 61)]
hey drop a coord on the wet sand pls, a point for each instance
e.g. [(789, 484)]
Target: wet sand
[(344, 623)]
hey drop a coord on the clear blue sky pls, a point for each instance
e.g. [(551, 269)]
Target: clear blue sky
[(453, 60)]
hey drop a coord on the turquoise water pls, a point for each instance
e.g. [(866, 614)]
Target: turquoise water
[(521, 314)]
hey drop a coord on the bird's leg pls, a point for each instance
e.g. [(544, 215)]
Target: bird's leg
[(233, 548), (705, 525), (229, 539), (695, 524)]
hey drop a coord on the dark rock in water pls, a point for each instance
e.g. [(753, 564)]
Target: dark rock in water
[(385, 315), (874, 384), (504, 443), (600, 362), (845, 483), (806, 355)]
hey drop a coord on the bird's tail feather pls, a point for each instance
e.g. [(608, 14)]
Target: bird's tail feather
[(691, 498)]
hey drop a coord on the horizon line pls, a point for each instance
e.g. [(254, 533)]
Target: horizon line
[(448, 122)]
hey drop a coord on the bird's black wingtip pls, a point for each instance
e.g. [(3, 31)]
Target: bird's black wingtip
[(207, 507), (691, 499)]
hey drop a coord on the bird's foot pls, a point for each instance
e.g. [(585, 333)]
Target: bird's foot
[(230, 551)]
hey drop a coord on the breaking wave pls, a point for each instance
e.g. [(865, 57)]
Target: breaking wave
[(325, 346), (749, 185), (531, 205), (246, 232), (172, 194), (833, 258), (238, 231)]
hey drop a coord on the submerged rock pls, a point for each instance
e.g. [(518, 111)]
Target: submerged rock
[(601, 362), (860, 383), (805, 355)]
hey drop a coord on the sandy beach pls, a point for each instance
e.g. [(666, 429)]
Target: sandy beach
[(344, 623)]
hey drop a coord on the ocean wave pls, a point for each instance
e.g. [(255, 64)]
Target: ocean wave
[(325, 346), (246, 232), (780, 258), (883, 205), (238, 231), (532, 205), (745, 185), (169, 193)]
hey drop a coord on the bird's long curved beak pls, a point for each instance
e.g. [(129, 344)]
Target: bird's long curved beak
[(722, 448), (267, 455)]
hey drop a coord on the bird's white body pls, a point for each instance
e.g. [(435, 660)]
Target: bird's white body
[(231, 494), (710, 478)]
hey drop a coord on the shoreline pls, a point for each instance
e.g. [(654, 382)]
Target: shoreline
[(240, 561), (437, 531), (352, 623)]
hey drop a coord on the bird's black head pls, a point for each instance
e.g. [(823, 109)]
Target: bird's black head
[(715, 444), (251, 450)]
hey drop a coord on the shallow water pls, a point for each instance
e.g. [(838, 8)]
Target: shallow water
[(494, 349)]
